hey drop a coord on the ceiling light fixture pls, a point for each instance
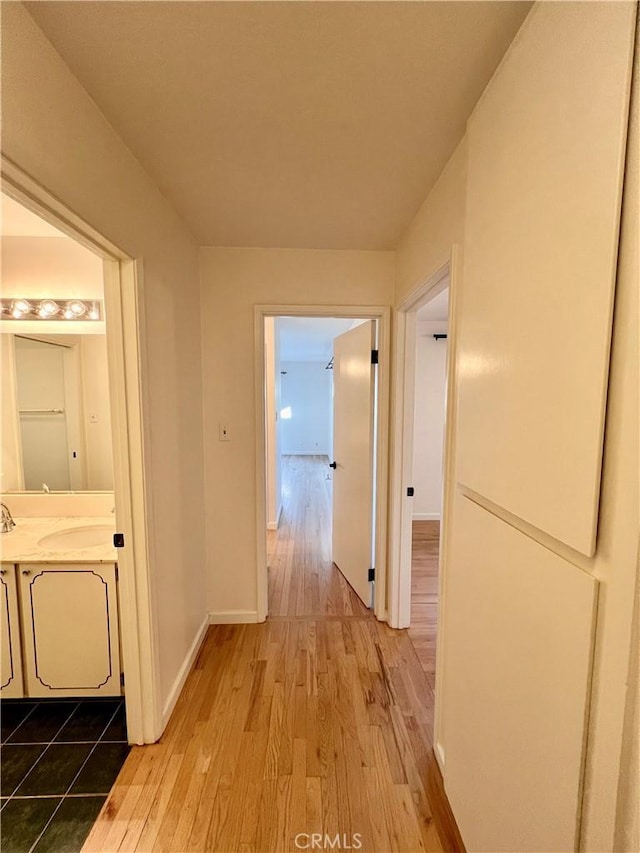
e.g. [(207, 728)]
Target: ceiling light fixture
[(51, 309)]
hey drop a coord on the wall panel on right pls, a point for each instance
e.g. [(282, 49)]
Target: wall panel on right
[(546, 157), (520, 623)]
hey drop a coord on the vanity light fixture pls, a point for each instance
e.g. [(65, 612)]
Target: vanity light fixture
[(49, 309)]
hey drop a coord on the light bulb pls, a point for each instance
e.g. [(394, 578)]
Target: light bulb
[(68, 314), (22, 306), (76, 308), (94, 313), (48, 308)]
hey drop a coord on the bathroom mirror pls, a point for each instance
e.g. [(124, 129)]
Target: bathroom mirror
[(56, 421)]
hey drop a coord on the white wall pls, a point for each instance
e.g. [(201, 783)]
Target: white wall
[(611, 777), (428, 426), (49, 266), (439, 223), (234, 281), (307, 390), (53, 130), (609, 813)]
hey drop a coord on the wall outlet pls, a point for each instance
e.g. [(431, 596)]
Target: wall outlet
[(223, 432)]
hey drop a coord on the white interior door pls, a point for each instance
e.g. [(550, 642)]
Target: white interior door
[(353, 455)]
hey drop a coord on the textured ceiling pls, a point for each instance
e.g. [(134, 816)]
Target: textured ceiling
[(290, 124)]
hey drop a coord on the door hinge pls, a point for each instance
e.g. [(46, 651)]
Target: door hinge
[(122, 679), (117, 573), (372, 575), (410, 492), (118, 540), (374, 356)]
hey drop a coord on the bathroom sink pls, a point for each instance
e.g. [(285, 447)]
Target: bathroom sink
[(78, 537)]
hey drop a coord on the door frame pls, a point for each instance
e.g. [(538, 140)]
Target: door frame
[(403, 409), (382, 314), (128, 371)]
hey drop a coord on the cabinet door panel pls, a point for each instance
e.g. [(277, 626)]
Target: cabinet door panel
[(516, 669), (10, 654), (546, 157), (70, 625)]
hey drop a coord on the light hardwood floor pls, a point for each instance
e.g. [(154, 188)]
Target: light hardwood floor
[(424, 594), (317, 721), (302, 578)]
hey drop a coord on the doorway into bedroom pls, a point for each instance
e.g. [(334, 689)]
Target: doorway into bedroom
[(321, 388), (431, 339)]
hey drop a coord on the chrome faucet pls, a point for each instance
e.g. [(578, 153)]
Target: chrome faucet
[(7, 524)]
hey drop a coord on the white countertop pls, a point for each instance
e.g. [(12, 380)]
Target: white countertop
[(20, 545)]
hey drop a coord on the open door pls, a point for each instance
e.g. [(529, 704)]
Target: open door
[(353, 449)]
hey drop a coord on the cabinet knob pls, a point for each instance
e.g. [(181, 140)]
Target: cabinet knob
[(26, 572)]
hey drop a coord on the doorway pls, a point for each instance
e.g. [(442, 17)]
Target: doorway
[(323, 396), (301, 434), (119, 282), (402, 506), (430, 398)]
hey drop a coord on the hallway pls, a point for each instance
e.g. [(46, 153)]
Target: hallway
[(317, 721)]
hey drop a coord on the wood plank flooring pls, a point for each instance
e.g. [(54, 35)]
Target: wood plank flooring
[(424, 594), (302, 578), (316, 721)]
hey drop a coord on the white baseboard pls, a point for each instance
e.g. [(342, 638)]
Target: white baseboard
[(233, 617), (183, 672), (274, 525), (426, 516)]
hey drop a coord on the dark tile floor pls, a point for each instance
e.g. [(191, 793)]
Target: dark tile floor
[(58, 761)]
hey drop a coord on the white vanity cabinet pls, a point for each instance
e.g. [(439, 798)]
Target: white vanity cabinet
[(11, 683), (68, 643), (70, 629)]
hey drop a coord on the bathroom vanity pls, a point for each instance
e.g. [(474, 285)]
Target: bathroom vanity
[(59, 608)]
